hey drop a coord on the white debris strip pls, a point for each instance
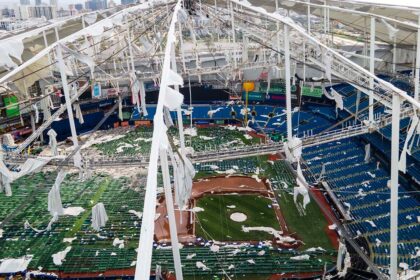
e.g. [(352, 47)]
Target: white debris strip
[(276, 233), (69, 239), (197, 209), (203, 137), (301, 258), (371, 223), (138, 214), (190, 256), (201, 266)]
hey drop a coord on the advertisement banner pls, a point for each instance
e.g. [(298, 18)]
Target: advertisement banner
[(12, 106), (97, 90)]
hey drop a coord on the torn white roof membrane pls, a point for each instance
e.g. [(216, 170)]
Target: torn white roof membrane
[(15, 265)]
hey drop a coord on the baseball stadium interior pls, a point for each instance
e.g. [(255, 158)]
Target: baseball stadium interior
[(212, 139)]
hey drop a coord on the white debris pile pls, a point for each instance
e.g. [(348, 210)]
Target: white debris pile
[(214, 248), (69, 239), (201, 266), (59, 257), (206, 138), (118, 242), (190, 256), (99, 216), (15, 265), (122, 146), (100, 140), (277, 234), (73, 211), (197, 209), (192, 131)]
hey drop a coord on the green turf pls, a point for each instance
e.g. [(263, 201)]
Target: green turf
[(310, 227), (215, 223), (309, 224)]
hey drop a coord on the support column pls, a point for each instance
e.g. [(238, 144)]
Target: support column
[(130, 49), (395, 149), (371, 67), (287, 78), (278, 35), (49, 55), (181, 46), (417, 74), (365, 43), (394, 56), (171, 213), (67, 96), (33, 126), (178, 110), (324, 12), (233, 36), (57, 38), (309, 17)]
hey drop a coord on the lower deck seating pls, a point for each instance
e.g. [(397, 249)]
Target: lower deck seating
[(362, 189)]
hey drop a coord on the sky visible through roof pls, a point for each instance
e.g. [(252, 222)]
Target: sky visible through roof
[(407, 3)]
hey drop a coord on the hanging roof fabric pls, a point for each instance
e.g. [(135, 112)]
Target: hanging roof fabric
[(356, 14)]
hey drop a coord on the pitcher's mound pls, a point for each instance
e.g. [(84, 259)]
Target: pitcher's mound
[(238, 217)]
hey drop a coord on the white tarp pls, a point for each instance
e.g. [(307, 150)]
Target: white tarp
[(410, 133), (327, 60), (54, 198), (339, 104), (342, 250), (120, 111), (46, 104), (7, 177), (167, 117), (52, 141), (99, 216), (367, 152), (173, 99), (15, 265), (79, 114), (80, 57), (143, 98), (90, 18), (183, 171), (11, 48), (301, 188), (293, 149), (135, 89)]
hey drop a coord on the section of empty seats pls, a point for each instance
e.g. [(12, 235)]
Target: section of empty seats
[(361, 187)]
